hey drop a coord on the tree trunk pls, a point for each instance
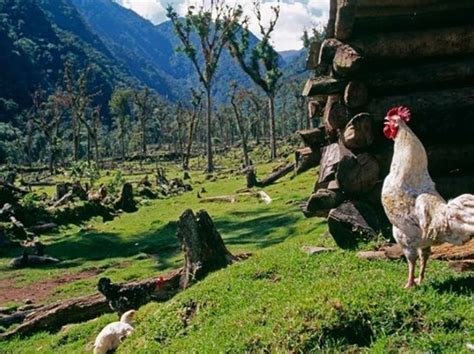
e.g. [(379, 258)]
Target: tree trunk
[(210, 165), (203, 246), (122, 142), (271, 117), (190, 142), (143, 126)]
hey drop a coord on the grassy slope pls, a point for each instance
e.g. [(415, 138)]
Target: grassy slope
[(279, 299)]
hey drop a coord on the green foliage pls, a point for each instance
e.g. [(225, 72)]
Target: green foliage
[(116, 182), (88, 170)]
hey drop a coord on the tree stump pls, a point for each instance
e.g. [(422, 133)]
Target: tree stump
[(126, 201), (203, 246)]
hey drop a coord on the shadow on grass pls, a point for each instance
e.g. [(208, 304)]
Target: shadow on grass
[(459, 286), (258, 229)]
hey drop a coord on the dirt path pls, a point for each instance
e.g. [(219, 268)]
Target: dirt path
[(41, 290)]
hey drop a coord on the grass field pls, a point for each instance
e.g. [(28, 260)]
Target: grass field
[(280, 299)]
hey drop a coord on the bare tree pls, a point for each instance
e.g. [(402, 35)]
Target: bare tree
[(261, 63), (196, 112), (47, 114), (144, 106), (214, 25), (237, 101)]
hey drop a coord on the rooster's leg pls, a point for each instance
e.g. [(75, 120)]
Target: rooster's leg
[(411, 259), (424, 254)]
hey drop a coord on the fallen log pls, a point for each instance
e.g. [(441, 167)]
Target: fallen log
[(32, 260), (358, 133), (306, 158), (314, 138), (275, 176), (204, 249), (41, 228), (433, 43), (52, 317), (220, 198), (133, 295)]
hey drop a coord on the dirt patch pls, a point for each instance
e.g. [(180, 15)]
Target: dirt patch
[(41, 290)]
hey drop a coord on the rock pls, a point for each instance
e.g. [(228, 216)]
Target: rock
[(146, 192), (371, 255)]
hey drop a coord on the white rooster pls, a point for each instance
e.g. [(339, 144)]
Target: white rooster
[(419, 215), (113, 334)]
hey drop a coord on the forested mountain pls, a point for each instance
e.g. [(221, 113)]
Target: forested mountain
[(149, 52), (37, 37)]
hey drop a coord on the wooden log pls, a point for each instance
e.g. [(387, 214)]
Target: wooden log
[(384, 9), (347, 61), (382, 82), (331, 26), (357, 175), (358, 133), (312, 60), (203, 246), (275, 176), (345, 16), (220, 198), (52, 317), (323, 86), (330, 157), (353, 222), (316, 108), (356, 94), (420, 19), (437, 116), (314, 138), (133, 295), (321, 202), (336, 116), (306, 158), (42, 228), (328, 50), (412, 45)]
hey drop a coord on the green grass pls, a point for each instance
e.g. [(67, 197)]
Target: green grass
[(278, 300)]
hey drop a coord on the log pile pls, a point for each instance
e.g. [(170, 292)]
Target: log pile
[(379, 54)]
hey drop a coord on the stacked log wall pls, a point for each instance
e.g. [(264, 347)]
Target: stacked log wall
[(384, 53)]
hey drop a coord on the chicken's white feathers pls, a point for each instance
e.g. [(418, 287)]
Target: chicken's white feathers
[(114, 333)]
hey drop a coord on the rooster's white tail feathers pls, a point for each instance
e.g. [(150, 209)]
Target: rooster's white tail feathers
[(460, 214)]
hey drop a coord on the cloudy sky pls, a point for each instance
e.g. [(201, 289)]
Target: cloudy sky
[(295, 16)]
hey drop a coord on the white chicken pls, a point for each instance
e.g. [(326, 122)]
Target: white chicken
[(113, 334), (419, 215)]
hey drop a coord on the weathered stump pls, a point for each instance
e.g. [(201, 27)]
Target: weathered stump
[(126, 201), (203, 246)]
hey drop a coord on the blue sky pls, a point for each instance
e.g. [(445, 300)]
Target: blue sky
[(295, 16)]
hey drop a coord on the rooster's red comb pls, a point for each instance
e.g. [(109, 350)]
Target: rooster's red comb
[(401, 111)]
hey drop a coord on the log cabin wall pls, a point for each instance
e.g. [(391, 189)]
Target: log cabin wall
[(384, 53)]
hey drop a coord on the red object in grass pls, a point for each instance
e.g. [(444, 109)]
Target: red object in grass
[(159, 283)]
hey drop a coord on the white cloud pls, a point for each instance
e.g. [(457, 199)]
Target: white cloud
[(295, 16)]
